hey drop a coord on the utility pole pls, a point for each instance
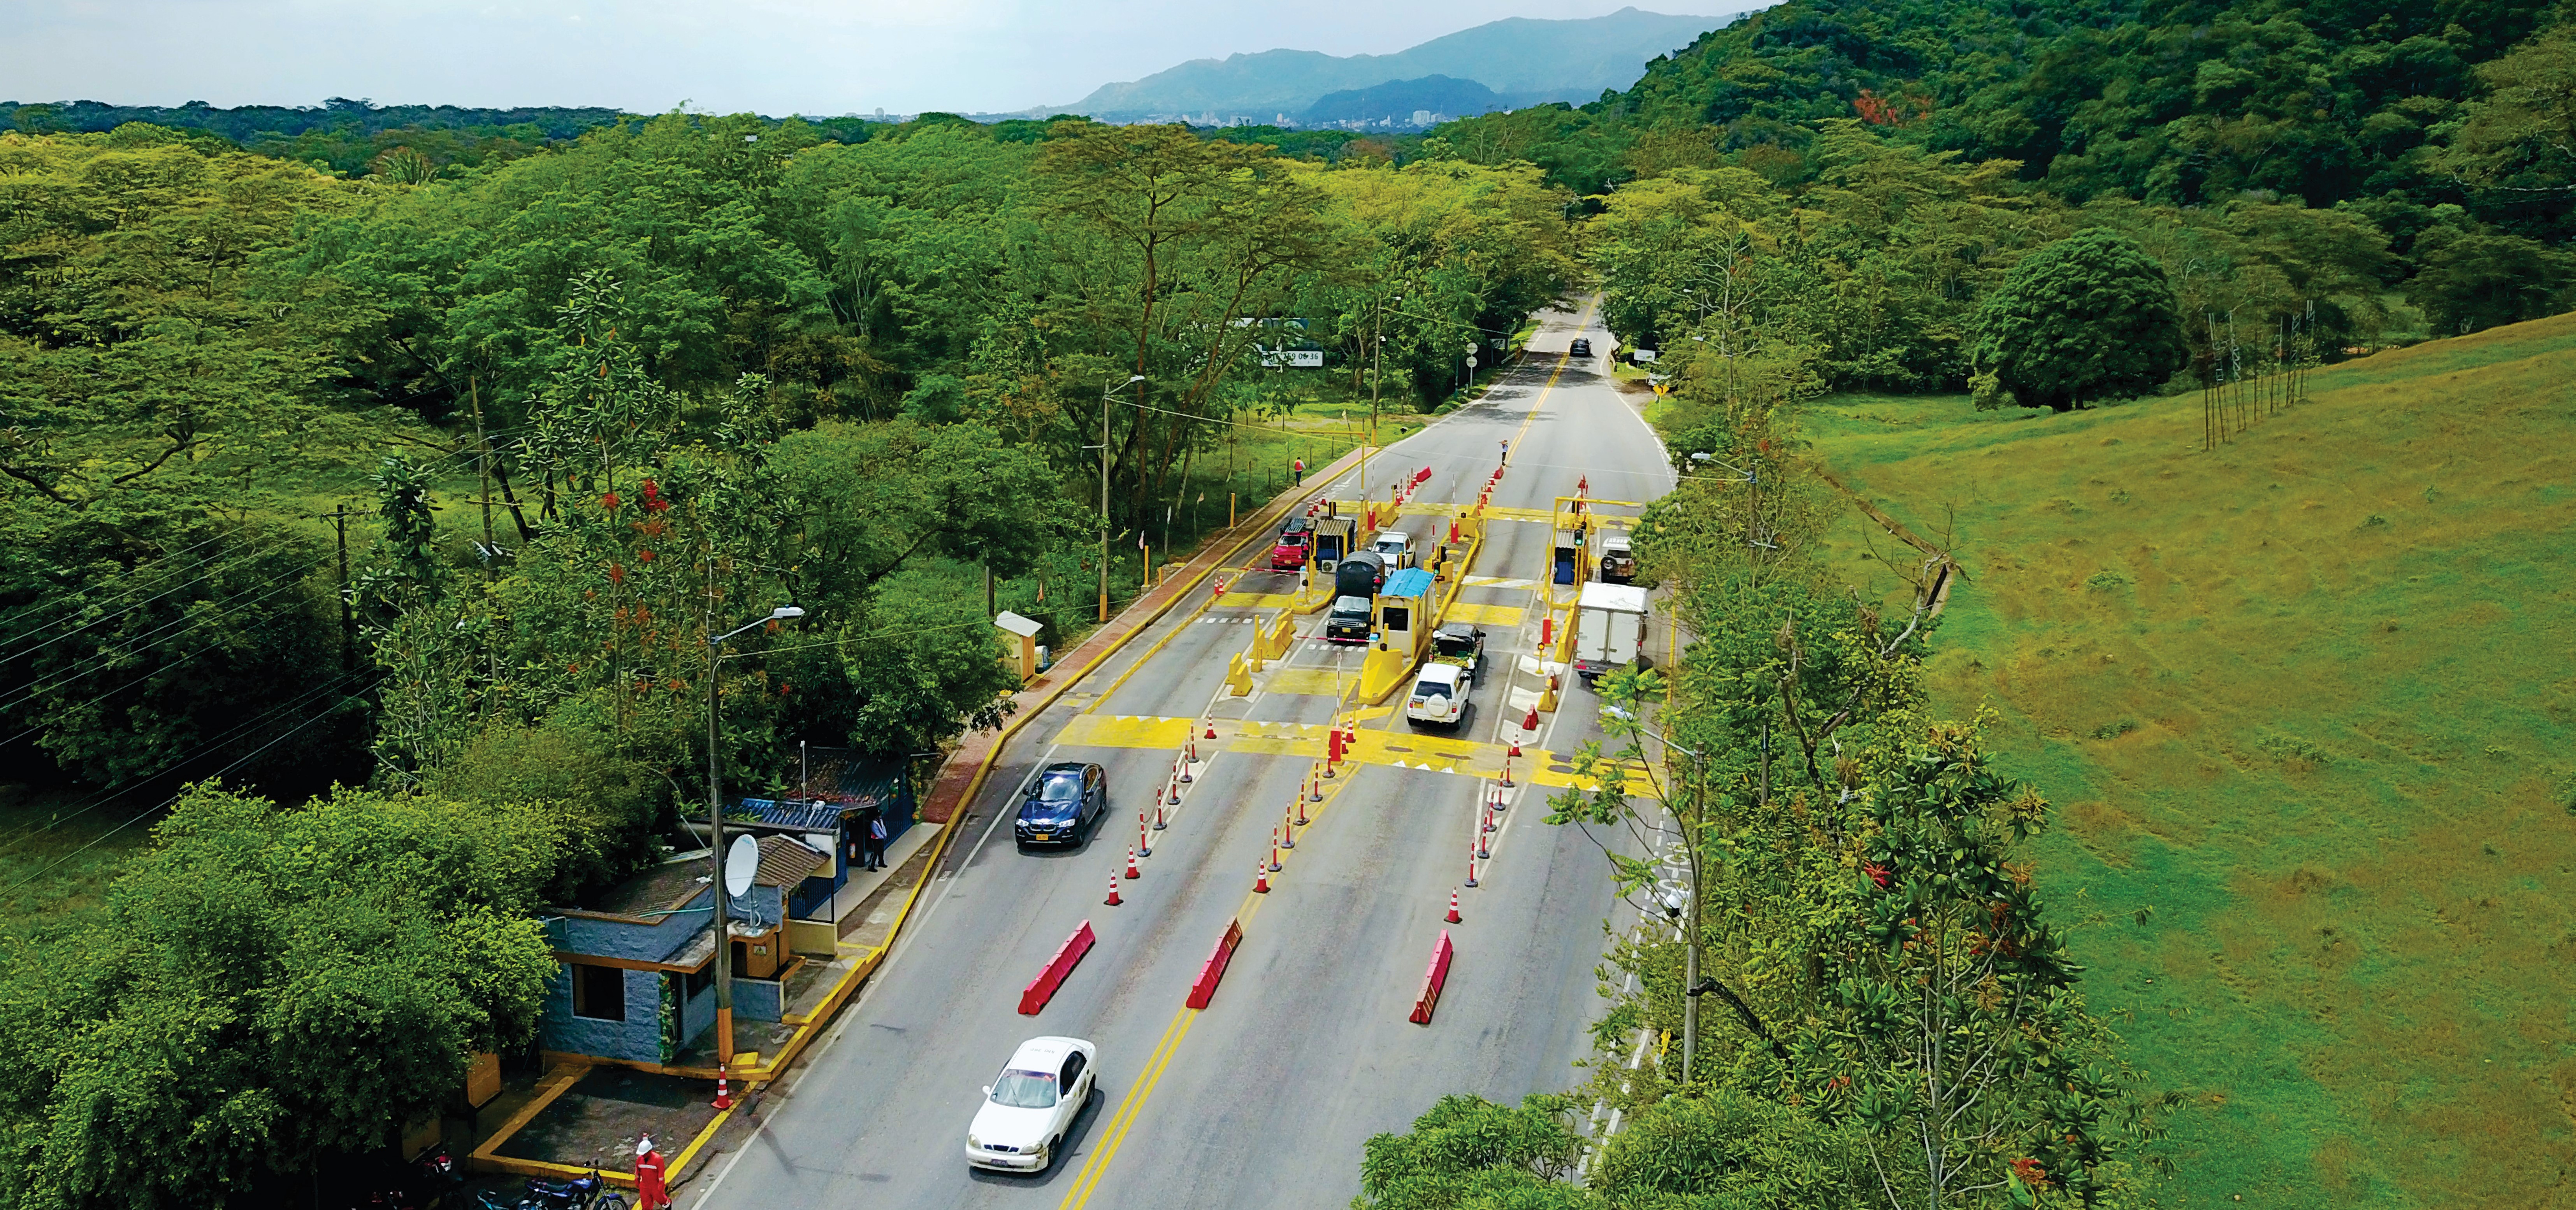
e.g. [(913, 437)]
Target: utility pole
[(1132, 379), (716, 852), (348, 615)]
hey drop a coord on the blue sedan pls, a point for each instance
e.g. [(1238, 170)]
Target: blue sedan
[(1065, 801)]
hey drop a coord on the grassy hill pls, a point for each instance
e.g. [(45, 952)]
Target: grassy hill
[(2307, 709)]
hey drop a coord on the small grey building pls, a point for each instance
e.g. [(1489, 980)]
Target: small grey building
[(638, 977)]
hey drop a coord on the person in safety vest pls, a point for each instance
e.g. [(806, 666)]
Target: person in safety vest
[(649, 1191), (1301, 472)]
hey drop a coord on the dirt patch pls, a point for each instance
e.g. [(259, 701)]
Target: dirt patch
[(597, 1120)]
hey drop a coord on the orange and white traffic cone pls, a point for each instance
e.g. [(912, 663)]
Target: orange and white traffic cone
[(1484, 846), (1471, 867), (1145, 848), (1132, 871), (1113, 900), (1181, 766), (724, 1093), (1274, 851), (1302, 821), (1507, 764), (1211, 734), (1261, 879), (1160, 822), (1453, 907), (1314, 786), (1287, 832)]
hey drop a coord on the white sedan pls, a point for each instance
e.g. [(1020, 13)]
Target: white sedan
[(1028, 1108)]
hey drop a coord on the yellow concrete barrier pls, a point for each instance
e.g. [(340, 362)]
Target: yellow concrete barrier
[(1386, 667), (1281, 632), (1238, 681)]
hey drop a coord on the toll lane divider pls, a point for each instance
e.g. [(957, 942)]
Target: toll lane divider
[(1042, 989), (1433, 980), (1204, 990)]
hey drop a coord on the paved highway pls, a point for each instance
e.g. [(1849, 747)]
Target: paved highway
[(1264, 1099)]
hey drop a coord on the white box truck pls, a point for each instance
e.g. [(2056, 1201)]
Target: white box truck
[(1609, 627)]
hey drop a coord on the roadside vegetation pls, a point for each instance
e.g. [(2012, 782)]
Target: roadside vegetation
[(578, 408)]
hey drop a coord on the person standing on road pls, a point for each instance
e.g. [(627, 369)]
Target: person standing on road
[(1507, 453), (650, 1193), (1301, 472)]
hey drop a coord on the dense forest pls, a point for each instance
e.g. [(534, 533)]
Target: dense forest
[(423, 450), (2404, 170)]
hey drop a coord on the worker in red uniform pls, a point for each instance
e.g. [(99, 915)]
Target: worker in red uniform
[(649, 1192)]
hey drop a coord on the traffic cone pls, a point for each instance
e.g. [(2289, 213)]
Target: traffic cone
[(1287, 832), (1145, 848), (1484, 847), (1159, 822), (1132, 871), (1507, 764), (1489, 819), (1497, 806), (1471, 868), (724, 1093), (1261, 879), (1314, 786), (1302, 821), (1530, 724), (1274, 850), (1211, 734), (1181, 767), (1113, 888), (1453, 907)]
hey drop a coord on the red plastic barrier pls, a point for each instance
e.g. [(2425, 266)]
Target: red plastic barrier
[(1205, 989), (1042, 989), (1433, 979)]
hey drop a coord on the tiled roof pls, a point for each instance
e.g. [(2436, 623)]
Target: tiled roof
[(785, 861)]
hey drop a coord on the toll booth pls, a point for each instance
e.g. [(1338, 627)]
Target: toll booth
[(1404, 626), (1336, 534), (1024, 657), (1565, 559)]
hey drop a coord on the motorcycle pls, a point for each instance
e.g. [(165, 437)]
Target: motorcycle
[(581, 1193)]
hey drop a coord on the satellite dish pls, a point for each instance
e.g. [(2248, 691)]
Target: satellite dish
[(742, 860)]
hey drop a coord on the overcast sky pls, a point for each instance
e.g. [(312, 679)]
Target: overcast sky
[(772, 56)]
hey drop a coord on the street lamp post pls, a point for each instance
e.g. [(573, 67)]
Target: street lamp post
[(1105, 395), (715, 835)]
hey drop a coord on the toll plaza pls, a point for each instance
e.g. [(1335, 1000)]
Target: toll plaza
[(1578, 522), (1336, 534)]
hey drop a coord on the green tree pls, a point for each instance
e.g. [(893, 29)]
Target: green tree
[(2474, 276), (265, 986), (2086, 318)]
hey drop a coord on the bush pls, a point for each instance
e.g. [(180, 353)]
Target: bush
[(608, 808)]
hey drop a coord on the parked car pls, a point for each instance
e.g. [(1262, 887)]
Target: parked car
[(1296, 543), (1065, 800), (1028, 1108), (1582, 347), (1396, 547)]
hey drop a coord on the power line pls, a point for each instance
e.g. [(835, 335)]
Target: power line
[(109, 792), (139, 816), (208, 570)]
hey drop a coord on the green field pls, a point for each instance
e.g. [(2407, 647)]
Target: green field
[(2307, 709)]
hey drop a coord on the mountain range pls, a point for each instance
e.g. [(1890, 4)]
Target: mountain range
[(1523, 60)]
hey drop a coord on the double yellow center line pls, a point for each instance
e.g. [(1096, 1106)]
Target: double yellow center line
[(1114, 1135)]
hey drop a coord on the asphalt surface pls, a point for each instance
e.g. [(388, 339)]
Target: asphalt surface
[(1265, 1098)]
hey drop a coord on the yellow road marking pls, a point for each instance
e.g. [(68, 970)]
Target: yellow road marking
[(1485, 615), (1314, 682)]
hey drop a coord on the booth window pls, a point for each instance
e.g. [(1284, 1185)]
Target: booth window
[(1396, 617), (598, 992)]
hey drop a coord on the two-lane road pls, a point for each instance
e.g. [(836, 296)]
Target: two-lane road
[(1265, 1098)]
